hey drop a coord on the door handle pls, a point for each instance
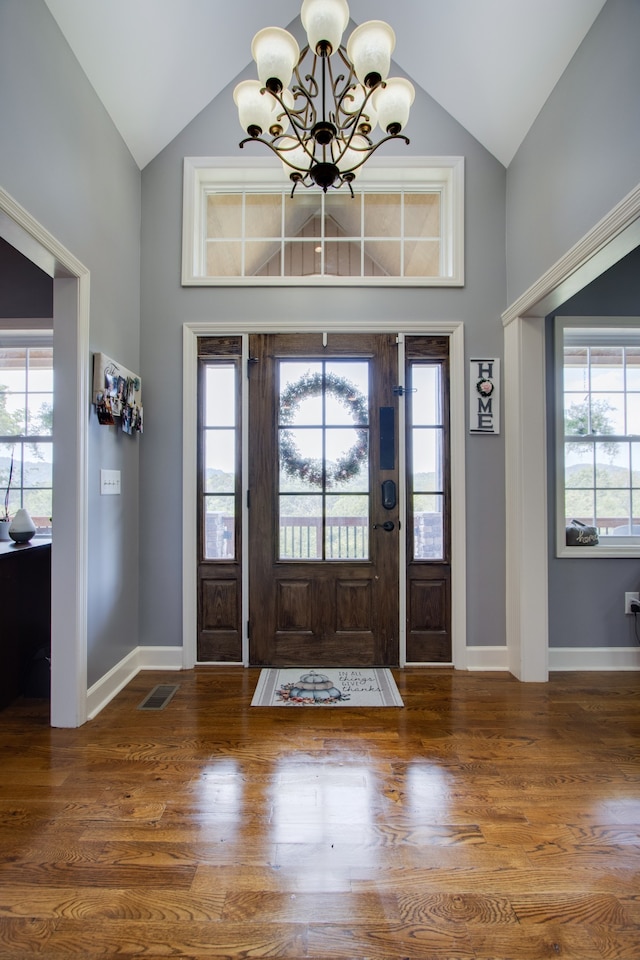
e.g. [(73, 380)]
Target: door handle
[(387, 525)]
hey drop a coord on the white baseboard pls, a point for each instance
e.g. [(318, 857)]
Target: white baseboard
[(142, 658), (487, 658), (478, 658), (594, 658)]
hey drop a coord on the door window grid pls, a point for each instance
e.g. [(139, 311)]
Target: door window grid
[(219, 481), (599, 434), (427, 465), (26, 432), (323, 445)]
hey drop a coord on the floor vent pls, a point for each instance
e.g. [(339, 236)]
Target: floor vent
[(159, 697)]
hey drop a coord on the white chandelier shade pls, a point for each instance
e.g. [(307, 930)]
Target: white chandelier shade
[(276, 53), (369, 48), (392, 102), (325, 21), (328, 113)]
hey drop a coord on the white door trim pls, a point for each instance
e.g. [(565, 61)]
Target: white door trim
[(454, 330), (527, 602), (70, 436)]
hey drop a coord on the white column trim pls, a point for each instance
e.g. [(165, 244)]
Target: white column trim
[(526, 583), (189, 496)]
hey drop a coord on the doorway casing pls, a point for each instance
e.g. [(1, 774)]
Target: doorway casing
[(70, 436), (527, 620)]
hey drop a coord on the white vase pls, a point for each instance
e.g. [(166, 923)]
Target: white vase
[(22, 527), (4, 530)]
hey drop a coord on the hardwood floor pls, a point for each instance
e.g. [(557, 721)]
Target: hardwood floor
[(487, 820)]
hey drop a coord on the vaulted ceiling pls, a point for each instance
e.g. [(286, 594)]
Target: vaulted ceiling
[(155, 64)]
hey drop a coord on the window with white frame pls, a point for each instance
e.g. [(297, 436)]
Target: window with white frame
[(598, 432), (26, 427), (403, 226)]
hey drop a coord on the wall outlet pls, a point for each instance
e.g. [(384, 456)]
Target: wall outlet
[(628, 597)]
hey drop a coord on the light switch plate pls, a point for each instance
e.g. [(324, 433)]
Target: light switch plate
[(109, 482)]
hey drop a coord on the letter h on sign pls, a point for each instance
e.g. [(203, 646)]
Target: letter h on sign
[(484, 395)]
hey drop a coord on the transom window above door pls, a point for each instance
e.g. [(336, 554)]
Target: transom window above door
[(403, 227)]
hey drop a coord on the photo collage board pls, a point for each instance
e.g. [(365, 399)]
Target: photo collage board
[(117, 393)]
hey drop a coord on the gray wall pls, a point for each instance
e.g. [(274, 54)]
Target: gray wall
[(62, 159), (580, 158), (25, 290), (166, 306), (577, 162), (586, 596)]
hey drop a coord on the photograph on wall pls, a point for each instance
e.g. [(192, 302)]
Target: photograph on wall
[(117, 392)]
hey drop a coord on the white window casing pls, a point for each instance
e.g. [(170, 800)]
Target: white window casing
[(441, 177)]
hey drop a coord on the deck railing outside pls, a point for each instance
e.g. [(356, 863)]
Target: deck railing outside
[(347, 538)]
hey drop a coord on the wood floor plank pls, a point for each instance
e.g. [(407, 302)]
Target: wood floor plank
[(90, 903), (485, 820), (73, 938)]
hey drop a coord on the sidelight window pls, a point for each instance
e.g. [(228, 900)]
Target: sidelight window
[(219, 459), (427, 473)]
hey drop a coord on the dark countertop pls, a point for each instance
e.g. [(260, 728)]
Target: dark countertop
[(8, 546)]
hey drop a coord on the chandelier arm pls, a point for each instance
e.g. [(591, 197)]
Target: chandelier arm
[(280, 154), (354, 119), (296, 117), (374, 147)]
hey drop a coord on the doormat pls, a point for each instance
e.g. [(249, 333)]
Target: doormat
[(327, 687)]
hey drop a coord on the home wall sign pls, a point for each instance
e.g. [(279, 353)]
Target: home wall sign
[(117, 393), (484, 395)]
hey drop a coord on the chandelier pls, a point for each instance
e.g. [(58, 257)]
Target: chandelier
[(318, 110)]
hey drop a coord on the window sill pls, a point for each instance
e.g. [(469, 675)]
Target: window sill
[(600, 551)]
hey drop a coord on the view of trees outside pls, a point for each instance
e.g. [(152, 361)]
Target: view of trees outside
[(602, 437), (26, 431), (322, 436)]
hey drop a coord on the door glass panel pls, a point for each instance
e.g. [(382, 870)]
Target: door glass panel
[(326, 457), (301, 527), (300, 393), (428, 526), (219, 523), (348, 461), (301, 460), (427, 459), (220, 395), (347, 528), (220, 443), (426, 404)]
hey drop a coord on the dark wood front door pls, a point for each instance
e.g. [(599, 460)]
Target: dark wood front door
[(323, 516)]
